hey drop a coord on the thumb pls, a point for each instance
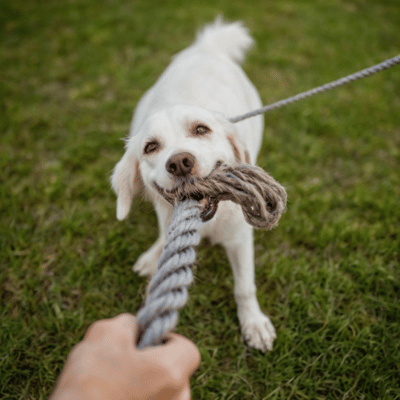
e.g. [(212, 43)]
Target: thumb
[(184, 394)]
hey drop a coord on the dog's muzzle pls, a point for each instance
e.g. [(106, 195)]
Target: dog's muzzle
[(186, 189)]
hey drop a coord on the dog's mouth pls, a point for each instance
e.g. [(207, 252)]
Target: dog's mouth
[(186, 188), (261, 197)]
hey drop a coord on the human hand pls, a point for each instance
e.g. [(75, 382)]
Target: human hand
[(107, 365)]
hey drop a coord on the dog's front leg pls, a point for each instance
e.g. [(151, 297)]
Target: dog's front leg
[(256, 327), (146, 264)]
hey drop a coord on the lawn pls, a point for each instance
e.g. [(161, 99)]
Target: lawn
[(72, 71)]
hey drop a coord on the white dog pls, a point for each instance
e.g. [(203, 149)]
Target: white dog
[(180, 129)]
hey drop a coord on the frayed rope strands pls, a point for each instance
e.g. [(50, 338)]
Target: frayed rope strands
[(263, 200), (328, 86)]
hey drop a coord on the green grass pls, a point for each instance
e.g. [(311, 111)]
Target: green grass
[(71, 74)]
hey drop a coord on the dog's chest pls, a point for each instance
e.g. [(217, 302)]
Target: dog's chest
[(224, 226)]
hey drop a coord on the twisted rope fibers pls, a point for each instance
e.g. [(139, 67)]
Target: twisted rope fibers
[(263, 200), (167, 291), (328, 86)]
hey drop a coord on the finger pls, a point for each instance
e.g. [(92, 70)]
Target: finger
[(121, 328), (95, 330), (180, 353), (126, 324)]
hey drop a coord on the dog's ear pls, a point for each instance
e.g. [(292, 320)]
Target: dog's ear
[(237, 145), (239, 149), (126, 182)]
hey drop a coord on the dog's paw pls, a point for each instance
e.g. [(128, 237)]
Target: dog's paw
[(146, 265), (259, 332)]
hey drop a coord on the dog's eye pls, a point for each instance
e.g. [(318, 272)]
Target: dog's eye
[(201, 130), (151, 147)]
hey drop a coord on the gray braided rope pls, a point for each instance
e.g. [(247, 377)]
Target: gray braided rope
[(328, 86), (167, 291)]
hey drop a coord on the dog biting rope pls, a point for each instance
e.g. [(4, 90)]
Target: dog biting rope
[(263, 200)]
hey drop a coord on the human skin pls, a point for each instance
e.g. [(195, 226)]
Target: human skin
[(107, 365)]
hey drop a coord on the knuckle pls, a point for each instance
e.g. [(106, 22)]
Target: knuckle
[(99, 325), (168, 375), (97, 329), (126, 317), (175, 377), (123, 321), (196, 355), (76, 351)]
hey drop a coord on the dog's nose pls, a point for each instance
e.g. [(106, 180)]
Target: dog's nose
[(180, 164)]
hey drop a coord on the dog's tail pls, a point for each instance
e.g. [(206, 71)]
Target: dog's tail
[(231, 39)]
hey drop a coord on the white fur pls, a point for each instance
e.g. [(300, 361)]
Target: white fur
[(203, 84)]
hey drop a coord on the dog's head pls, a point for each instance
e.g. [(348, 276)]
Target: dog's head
[(171, 147)]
